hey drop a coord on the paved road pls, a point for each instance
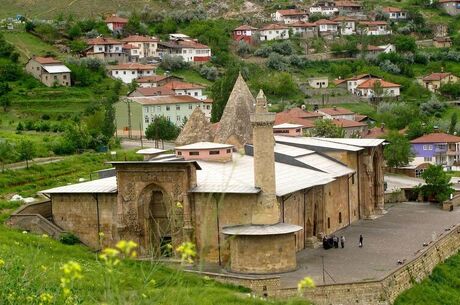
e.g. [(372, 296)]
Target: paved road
[(398, 235)]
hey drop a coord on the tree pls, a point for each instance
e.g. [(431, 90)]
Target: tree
[(74, 32), (5, 102), (26, 151), (405, 43), (378, 90), (162, 129), (437, 183), (398, 152), (453, 123), (327, 129), (7, 153)]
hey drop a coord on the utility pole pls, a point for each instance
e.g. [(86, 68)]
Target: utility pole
[(128, 101)]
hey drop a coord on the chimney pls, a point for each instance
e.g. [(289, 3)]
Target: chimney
[(266, 211)]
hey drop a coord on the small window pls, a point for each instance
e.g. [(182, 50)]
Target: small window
[(167, 108), (194, 153), (229, 150), (178, 118), (116, 72), (179, 153), (353, 179), (190, 106), (328, 223), (214, 152), (177, 107), (340, 217), (196, 93), (133, 72), (124, 72)]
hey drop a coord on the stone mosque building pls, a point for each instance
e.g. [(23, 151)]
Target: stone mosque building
[(249, 200)]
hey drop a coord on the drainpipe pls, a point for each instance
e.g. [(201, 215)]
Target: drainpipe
[(96, 197)]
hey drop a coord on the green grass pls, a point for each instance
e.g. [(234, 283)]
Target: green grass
[(28, 44), (442, 287), (192, 76)]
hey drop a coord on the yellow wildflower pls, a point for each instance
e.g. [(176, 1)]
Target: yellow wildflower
[(306, 282), (179, 205), (46, 298), (45, 236), (2, 263), (127, 247), (187, 252)]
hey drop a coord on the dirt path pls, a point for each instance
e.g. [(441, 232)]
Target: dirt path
[(36, 161)]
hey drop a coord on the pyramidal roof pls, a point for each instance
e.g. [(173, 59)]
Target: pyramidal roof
[(197, 129), (235, 125)]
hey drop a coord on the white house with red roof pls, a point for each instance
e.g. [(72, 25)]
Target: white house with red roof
[(375, 28), (190, 50), (106, 49), (49, 71), (325, 8), (337, 113), (351, 83), (115, 23), (156, 80), (274, 31), (327, 27), (434, 81), (347, 25), (302, 28), (144, 46), (131, 71), (395, 13), (290, 16), (366, 88), (244, 33)]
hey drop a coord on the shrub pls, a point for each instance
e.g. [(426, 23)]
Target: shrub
[(283, 48), (277, 62), (210, 73), (263, 51), (243, 48), (69, 239), (389, 67), (172, 63)]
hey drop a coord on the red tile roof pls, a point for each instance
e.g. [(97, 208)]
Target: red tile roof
[(301, 24), (336, 111), (129, 46), (291, 12), (325, 21), (152, 79), (344, 18), (102, 41), (360, 117), (178, 85), (139, 38), (179, 44), (131, 66), (369, 84), (391, 9), (115, 19), (437, 137), (167, 99), (46, 60), (245, 28), (373, 23), (448, 1), (274, 26), (344, 123), (297, 116), (154, 91), (436, 76)]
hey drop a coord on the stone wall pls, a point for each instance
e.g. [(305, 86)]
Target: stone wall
[(41, 208), (396, 196)]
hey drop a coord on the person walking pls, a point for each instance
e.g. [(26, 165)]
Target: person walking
[(336, 242), (360, 240), (342, 241)]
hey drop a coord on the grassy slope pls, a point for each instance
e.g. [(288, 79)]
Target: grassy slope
[(441, 288), (28, 44)]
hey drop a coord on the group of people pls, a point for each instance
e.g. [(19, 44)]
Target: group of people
[(332, 241)]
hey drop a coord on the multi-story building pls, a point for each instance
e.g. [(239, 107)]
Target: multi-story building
[(274, 32), (305, 29), (395, 13), (145, 46), (189, 50), (367, 89), (347, 25), (325, 8), (131, 71), (451, 7), (49, 71), (115, 23), (434, 81), (436, 148), (134, 114), (337, 113), (327, 27), (173, 88), (290, 16), (106, 49), (244, 33)]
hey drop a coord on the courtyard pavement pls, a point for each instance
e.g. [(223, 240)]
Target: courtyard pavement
[(397, 235)]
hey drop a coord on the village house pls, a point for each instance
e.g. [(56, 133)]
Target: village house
[(172, 87), (134, 114), (327, 27), (106, 49), (115, 23), (288, 129), (367, 89), (325, 8), (394, 13), (298, 116), (244, 33), (434, 81), (347, 7), (436, 148), (190, 50), (50, 71), (145, 46), (318, 82), (442, 42), (336, 113), (304, 29), (290, 16), (351, 83), (247, 213), (375, 28), (156, 80), (347, 25), (131, 71), (377, 49), (274, 32), (451, 7), (351, 128)]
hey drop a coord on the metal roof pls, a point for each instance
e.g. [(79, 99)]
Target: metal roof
[(105, 185), (292, 151), (204, 145), (316, 142), (355, 142), (56, 69), (276, 229), (287, 126), (238, 176), (150, 151), (326, 165)]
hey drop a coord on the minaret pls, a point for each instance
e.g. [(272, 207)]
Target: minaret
[(266, 211)]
